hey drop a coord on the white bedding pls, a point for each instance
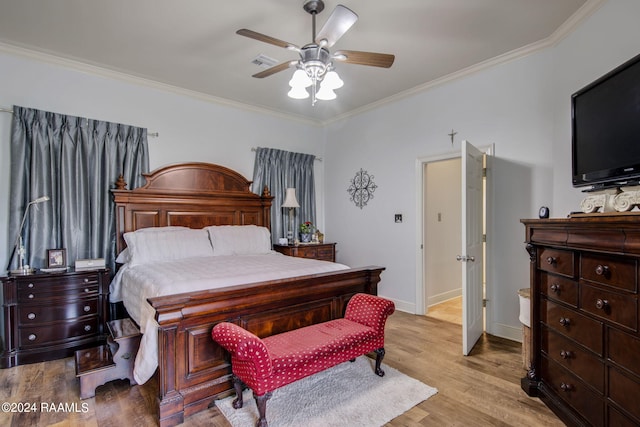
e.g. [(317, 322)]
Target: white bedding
[(135, 284)]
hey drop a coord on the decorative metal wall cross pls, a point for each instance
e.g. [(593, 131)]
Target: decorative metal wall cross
[(361, 188), (452, 134)]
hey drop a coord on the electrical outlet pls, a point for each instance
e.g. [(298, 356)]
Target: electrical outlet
[(398, 218)]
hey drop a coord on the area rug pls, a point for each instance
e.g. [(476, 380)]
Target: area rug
[(349, 394)]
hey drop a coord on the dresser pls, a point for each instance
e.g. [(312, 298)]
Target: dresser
[(46, 316), (585, 340), (321, 251)]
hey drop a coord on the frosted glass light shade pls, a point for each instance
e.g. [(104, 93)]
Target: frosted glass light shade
[(332, 80), (325, 93), (298, 93), (290, 200), (300, 79)]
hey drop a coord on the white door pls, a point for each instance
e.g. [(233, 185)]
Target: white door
[(472, 254)]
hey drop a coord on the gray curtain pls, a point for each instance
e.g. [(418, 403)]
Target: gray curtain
[(279, 170), (75, 162)]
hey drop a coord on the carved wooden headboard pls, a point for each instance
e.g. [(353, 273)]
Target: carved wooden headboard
[(190, 194)]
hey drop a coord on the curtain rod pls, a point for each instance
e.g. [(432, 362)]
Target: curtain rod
[(317, 158), (151, 134)]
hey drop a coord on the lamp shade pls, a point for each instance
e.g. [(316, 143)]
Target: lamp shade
[(290, 200)]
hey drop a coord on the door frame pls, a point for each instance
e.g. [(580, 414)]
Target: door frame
[(489, 150)]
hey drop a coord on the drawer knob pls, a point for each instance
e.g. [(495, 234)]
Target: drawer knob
[(87, 308), (566, 387), (31, 316), (86, 290), (30, 285), (30, 296), (555, 288), (602, 270), (87, 328), (32, 337), (602, 304), (565, 321), (566, 354), (86, 280), (551, 260)]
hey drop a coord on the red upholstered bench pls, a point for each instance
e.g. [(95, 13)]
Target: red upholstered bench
[(266, 364)]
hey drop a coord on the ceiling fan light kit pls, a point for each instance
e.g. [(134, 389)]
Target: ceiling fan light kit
[(315, 67)]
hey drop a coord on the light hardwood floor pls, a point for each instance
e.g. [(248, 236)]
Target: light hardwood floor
[(478, 390)]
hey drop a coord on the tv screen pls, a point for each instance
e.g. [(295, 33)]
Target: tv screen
[(605, 119)]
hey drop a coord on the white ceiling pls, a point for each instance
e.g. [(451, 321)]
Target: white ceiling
[(191, 46)]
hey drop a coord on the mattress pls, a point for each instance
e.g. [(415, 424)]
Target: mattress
[(134, 284)]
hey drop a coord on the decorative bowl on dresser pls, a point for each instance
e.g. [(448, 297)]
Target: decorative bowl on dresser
[(321, 251), (47, 316), (585, 338)]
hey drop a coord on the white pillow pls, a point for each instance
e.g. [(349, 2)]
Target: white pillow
[(239, 239), (166, 244)]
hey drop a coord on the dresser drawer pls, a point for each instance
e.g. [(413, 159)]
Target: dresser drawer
[(556, 261), (617, 419), (33, 314), (47, 294), (57, 332), (573, 357), (572, 324), (573, 391), (624, 350), (559, 288), (619, 272), (624, 391), (614, 307), (325, 254)]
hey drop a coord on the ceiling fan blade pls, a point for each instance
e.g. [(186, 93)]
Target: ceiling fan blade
[(267, 39), (339, 22), (274, 69), (383, 60)]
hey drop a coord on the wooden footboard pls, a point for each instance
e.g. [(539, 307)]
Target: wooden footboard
[(194, 370)]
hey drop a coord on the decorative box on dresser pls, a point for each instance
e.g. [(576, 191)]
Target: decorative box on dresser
[(321, 251), (585, 339), (46, 316)]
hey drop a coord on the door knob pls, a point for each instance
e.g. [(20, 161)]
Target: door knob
[(465, 258)]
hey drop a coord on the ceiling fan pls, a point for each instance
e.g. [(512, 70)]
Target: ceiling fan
[(315, 65)]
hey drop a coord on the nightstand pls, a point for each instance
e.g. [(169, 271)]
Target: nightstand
[(321, 251), (49, 316)]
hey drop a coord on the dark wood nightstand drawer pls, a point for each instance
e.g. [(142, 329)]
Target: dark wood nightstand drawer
[(556, 261), (559, 288), (611, 306), (573, 391), (32, 314), (58, 332), (620, 272), (319, 251)]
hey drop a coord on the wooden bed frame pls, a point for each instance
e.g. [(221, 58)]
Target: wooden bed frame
[(193, 370)]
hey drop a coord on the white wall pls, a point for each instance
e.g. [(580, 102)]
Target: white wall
[(190, 129), (523, 108)]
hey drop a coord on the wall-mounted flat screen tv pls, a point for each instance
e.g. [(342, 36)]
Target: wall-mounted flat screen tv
[(605, 124)]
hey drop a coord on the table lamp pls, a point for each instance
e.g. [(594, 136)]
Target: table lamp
[(290, 202), (22, 252)]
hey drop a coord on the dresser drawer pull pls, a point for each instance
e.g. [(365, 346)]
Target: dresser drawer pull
[(87, 290), (87, 328), (566, 387), (87, 308), (30, 285), (602, 304), (32, 337), (551, 260), (31, 316), (555, 288), (565, 354), (30, 296), (86, 280), (565, 321), (602, 270)]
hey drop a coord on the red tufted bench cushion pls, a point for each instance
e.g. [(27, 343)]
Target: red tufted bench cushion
[(272, 362)]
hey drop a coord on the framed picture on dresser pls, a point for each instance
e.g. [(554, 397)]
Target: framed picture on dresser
[(56, 258)]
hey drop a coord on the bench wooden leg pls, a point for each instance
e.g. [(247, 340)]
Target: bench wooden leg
[(261, 403), (237, 385), (379, 357)]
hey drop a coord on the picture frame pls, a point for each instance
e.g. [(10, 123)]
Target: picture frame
[(56, 258)]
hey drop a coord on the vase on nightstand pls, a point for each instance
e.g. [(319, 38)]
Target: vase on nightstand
[(305, 237)]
